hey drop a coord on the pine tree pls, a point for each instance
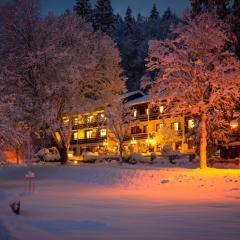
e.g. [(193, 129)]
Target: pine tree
[(104, 17), (168, 19), (236, 7), (167, 15), (129, 21), (140, 19), (221, 6), (154, 14), (236, 14), (83, 8)]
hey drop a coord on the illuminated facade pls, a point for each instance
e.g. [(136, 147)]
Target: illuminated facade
[(91, 134)]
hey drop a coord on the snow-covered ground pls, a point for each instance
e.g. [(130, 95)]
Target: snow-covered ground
[(128, 202)]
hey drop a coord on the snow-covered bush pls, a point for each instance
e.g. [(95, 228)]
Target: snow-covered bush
[(166, 135), (48, 154), (167, 149), (90, 156)]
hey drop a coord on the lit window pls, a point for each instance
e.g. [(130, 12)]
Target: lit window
[(89, 134), (135, 113), (159, 126), (102, 116), (103, 132), (191, 123), (176, 126), (147, 111), (75, 136), (65, 120), (161, 109), (75, 121), (90, 118)]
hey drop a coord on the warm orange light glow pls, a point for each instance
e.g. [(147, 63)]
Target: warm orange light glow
[(90, 118), (70, 154), (161, 109), (150, 141), (133, 141), (103, 132), (135, 113), (75, 135), (176, 126), (191, 123), (234, 124), (58, 137), (105, 143)]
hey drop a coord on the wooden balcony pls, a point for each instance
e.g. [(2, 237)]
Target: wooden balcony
[(152, 116), (137, 136), (88, 140), (87, 125)]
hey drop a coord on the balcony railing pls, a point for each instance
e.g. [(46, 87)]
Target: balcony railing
[(137, 136), (87, 125), (88, 140), (152, 116)]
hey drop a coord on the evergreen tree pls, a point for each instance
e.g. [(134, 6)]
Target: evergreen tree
[(168, 19), (104, 17), (140, 19), (130, 45), (129, 22), (236, 14), (236, 6), (168, 15), (221, 6), (83, 8), (154, 14), (132, 37)]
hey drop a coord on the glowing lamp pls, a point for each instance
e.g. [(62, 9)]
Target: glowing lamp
[(133, 141), (161, 109), (105, 143), (148, 140), (75, 162), (234, 124), (70, 155), (135, 113)]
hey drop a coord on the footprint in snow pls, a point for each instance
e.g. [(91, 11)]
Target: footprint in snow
[(164, 181)]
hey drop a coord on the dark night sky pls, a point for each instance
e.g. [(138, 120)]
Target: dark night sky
[(142, 6)]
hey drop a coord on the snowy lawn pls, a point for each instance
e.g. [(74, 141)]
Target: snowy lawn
[(128, 202)]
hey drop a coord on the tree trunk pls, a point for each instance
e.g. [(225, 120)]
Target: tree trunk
[(63, 154), (203, 142), (121, 153), (61, 146), (17, 155)]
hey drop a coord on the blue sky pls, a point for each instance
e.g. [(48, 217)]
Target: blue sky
[(142, 6)]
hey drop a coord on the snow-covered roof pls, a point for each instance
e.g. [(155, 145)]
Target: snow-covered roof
[(236, 114), (141, 100), (129, 94)]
